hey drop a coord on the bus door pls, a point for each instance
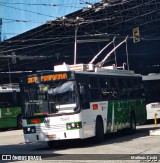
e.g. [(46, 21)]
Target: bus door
[(107, 95), (86, 111), (139, 96), (114, 110), (90, 105), (123, 101)]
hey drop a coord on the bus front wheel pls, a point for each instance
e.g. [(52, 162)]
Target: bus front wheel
[(99, 130)]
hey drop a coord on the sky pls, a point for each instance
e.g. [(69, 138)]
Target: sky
[(19, 16)]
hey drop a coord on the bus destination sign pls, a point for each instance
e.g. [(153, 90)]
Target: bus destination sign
[(47, 78)]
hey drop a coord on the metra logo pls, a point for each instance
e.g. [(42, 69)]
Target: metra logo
[(46, 120)]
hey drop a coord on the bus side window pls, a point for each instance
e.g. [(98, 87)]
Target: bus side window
[(129, 86), (142, 94), (113, 89), (122, 88), (94, 88), (138, 87), (84, 96), (105, 89)]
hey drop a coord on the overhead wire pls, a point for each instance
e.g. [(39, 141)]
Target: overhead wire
[(41, 4), (53, 50), (1, 52), (21, 21), (26, 10), (50, 51), (74, 15), (45, 29), (32, 61), (35, 33), (8, 33), (8, 42), (60, 39), (51, 39), (127, 9), (56, 37), (38, 13)]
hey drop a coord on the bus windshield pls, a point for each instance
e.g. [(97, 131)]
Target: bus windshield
[(53, 98)]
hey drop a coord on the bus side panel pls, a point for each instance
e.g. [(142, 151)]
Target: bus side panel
[(5, 123), (110, 115), (118, 115), (138, 105), (8, 117), (89, 117), (113, 117), (152, 95), (153, 110)]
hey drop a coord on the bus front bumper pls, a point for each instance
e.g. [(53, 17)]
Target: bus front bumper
[(42, 136)]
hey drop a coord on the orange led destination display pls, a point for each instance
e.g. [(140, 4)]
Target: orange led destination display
[(46, 78), (32, 79), (53, 77)]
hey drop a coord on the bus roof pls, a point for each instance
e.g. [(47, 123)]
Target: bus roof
[(105, 71), (65, 73), (152, 76), (90, 69), (9, 87)]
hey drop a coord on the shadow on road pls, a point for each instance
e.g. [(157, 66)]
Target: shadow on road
[(53, 153), (110, 138)]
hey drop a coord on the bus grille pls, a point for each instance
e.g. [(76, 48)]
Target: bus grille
[(59, 127)]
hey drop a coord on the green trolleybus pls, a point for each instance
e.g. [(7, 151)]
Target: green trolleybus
[(80, 101), (10, 110)]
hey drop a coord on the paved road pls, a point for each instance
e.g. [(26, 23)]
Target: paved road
[(12, 142)]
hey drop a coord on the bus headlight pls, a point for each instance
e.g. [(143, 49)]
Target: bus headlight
[(29, 130), (74, 125), (69, 126)]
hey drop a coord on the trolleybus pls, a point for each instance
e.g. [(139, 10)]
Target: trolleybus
[(80, 101), (10, 110), (152, 92)]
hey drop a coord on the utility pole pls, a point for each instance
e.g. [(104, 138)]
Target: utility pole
[(75, 44), (77, 21)]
